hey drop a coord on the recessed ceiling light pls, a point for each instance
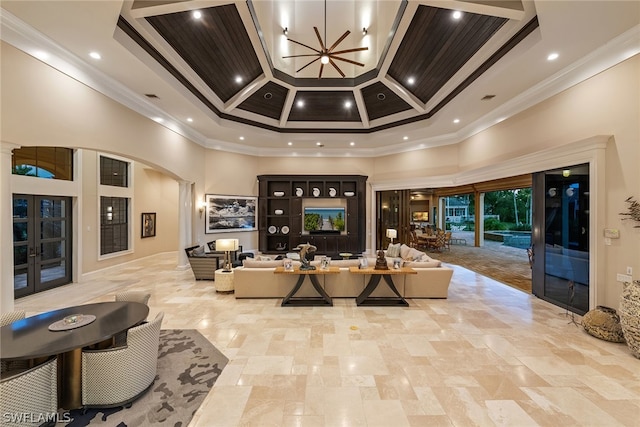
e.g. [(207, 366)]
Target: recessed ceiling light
[(552, 56), (95, 55), (352, 143), (189, 119), (241, 138), (197, 14), (456, 120), (300, 103), (405, 137), (411, 80), (289, 143), (158, 119), (238, 79), (347, 104), (319, 144), (457, 14)]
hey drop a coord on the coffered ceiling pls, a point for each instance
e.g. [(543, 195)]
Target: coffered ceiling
[(225, 74)]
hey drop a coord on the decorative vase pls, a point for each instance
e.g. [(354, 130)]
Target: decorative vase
[(604, 323), (630, 316)]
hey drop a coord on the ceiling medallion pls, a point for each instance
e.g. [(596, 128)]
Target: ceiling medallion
[(324, 54)]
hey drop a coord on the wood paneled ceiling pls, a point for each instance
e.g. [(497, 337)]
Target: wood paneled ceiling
[(420, 65)]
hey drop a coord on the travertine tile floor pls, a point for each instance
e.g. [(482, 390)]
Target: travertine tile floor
[(488, 355)]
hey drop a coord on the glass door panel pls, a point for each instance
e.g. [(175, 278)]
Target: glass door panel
[(561, 237)]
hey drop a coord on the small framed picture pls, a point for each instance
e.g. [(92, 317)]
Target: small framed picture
[(148, 224)]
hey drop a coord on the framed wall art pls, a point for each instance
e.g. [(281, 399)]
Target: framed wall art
[(148, 224), (230, 213)]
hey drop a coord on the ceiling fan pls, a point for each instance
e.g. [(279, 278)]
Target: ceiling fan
[(327, 55)]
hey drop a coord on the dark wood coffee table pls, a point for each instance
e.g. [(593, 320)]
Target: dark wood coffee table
[(323, 299), (365, 299)]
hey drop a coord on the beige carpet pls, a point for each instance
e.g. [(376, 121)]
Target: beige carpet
[(502, 263)]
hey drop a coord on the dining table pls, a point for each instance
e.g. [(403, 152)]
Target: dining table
[(64, 333)]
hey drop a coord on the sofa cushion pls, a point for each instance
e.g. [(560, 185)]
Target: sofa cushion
[(393, 251), (254, 263), (433, 263), (264, 258), (345, 263)]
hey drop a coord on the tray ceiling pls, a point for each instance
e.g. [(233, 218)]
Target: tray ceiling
[(233, 55)]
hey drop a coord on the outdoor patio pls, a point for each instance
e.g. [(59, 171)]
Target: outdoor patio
[(505, 264)]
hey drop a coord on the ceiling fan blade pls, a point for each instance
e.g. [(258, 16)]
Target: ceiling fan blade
[(336, 67), (319, 38), (355, 49), (298, 70), (321, 68), (346, 33), (348, 60), (302, 44), (298, 56)]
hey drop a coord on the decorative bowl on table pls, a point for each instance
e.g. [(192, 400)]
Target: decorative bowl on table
[(278, 193)]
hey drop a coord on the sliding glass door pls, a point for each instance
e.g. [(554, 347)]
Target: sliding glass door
[(561, 237)]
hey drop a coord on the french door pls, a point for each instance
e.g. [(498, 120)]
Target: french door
[(560, 239), (41, 243)]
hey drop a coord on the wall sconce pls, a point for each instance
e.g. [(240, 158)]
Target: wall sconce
[(566, 173), (364, 31), (285, 31), (392, 234), (201, 207), (227, 245)]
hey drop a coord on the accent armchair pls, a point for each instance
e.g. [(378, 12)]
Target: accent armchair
[(119, 375)]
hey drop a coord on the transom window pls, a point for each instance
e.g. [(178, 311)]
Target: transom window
[(114, 172), (43, 162)]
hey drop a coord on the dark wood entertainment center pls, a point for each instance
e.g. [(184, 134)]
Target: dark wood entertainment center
[(281, 206)]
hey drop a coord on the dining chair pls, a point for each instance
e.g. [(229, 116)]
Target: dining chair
[(447, 240), (11, 316), (12, 365), (130, 296), (31, 391), (118, 376), (134, 296)]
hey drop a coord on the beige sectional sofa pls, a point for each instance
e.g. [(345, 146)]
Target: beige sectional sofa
[(256, 279)]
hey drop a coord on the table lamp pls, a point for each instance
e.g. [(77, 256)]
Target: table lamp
[(227, 245), (392, 234)]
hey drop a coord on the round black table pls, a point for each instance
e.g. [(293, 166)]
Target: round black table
[(30, 338)]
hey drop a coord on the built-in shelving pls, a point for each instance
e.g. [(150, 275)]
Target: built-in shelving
[(281, 201)]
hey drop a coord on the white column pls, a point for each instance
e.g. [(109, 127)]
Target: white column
[(6, 228), (185, 214), (480, 217)]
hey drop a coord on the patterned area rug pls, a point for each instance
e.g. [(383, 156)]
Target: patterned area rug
[(188, 365)]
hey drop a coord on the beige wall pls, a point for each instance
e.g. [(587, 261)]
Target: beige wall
[(153, 191)]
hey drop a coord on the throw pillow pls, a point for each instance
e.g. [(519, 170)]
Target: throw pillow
[(405, 251), (264, 258), (393, 251), (199, 251)]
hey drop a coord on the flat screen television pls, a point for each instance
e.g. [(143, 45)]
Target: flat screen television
[(324, 220)]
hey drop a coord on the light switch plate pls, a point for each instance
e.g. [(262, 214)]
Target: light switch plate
[(612, 233)]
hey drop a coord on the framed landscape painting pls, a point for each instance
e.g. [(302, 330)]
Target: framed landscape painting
[(230, 213)]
